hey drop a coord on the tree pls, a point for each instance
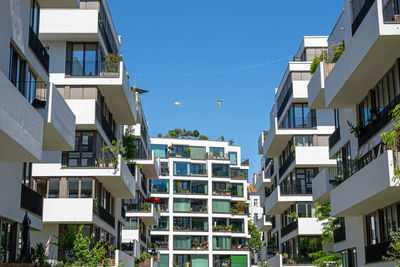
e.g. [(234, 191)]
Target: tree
[(128, 141), (79, 248), (159, 135), (255, 238), (196, 134), (203, 137), (393, 253)]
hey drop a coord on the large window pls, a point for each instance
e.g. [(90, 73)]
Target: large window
[(195, 260), (299, 116), (34, 17), (217, 152), (220, 170), (221, 206), (83, 59), (298, 182), (54, 188), (200, 224), (197, 169), (73, 187), (160, 186), (131, 223), (181, 242), (182, 168), (163, 224), (380, 223), (221, 243), (180, 151), (17, 70), (85, 151), (160, 151), (233, 158), (197, 153), (181, 205)]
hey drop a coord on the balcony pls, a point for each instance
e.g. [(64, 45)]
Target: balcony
[(38, 50), (334, 138), (59, 126), (117, 179), (151, 167), (316, 86), (275, 261), (261, 141), (322, 184), (78, 211), (339, 234), (289, 228), (264, 224), (367, 190), (277, 203), (288, 95), (31, 201), (147, 216), (217, 156), (286, 164), (21, 126), (263, 181), (374, 253), (373, 47)]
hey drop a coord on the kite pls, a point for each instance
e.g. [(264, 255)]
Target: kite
[(219, 102), (178, 104)]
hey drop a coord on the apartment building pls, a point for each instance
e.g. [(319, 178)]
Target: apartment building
[(86, 183), (363, 86), (140, 215), (255, 212), (203, 210), (294, 151), (34, 119)]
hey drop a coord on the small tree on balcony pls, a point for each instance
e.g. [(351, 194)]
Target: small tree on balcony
[(255, 238), (393, 253)]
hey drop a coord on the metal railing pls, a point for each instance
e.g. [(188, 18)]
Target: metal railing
[(286, 164), (374, 253), (297, 189), (38, 49), (103, 214), (334, 138), (90, 68), (34, 91), (281, 108), (339, 234), (104, 124), (31, 201), (289, 228)]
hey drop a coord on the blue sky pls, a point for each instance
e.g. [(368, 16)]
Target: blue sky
[(196, 52)]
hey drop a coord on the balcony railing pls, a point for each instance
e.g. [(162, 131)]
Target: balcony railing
[(103, 214), (289, 228), (90, 68), (374, 253), (339, 234), (383, 118), (361, 15), (31, 201), (38, 49), (391, 11), (285, 101), (286, 164), (334, 138), (143, 238), (34, 91), (219, 156), (104, 124)]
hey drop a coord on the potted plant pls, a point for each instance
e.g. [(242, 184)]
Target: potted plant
[(241, 207), (233, 211), (293, 216), (285, 255), (229, 187), (229, 228), (291, 261), (102, 163), (356, 130), (293, 150), (146, 207)]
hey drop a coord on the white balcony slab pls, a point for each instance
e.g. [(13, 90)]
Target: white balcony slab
[(119, 181), (316, 86), (312, 156), (366, 58), (151, 167), (263, 224), (149, 218), (367, 190), (262, 181), (21, 126), (59, 127), (322, 184), (277, 203), (305, 227)]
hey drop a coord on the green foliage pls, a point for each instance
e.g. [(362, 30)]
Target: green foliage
[(255, 238), (128, 140), (182, 133), (112, 63), (79, 251), (325, 259), (393, 253), (203, 137), (115, 148), (315, 64), (144, 256), (145, 206), (337, 52)]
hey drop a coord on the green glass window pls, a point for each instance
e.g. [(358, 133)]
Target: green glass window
[(160, 186), (199, 187), (221, 243), (181, 205), (237, 190), (163, 224), (160, 151), (198, 153), (221, 206), (181, 168), (181, 242), (199, 224), (217, 152), (199, 260), (239, 261), (164, 258), (233, 158), (237, 225), (220, 170)]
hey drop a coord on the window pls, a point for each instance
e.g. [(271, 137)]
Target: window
[(180, 151), (343, 161), (221, 206), (160, 151), (197, 169), (160, 186), (197, 153), (73, 187), (182, 260), (298, 182), (182, 187), (181, 223), (199, 187), (237, 190), (54, 188), (160, 240), (131, 223), (27, 174), (164, 260), (237, 225), (306, 140), (17, 70), (41, 186), (181, 242), (233, 158), (86, 187), (181, 168), (164, 169), (85, 151), (299, 116), (220, 170), (83, 59), (163, 224), (217, 152), (34, 16), (336, 115), (200, 224), (181, 205), (240, 243), (224, 260), (255, 202), (221, 243)]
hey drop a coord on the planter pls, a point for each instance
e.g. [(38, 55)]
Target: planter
[(102, 165), (241, 212), (396, 18), (111, 165)]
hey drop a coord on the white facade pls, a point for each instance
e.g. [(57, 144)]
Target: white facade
[(294, 151), (34, 119), (364, 191), (200, 184)]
